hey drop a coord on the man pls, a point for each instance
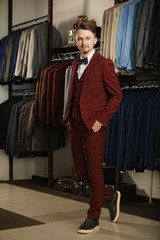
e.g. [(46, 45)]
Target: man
[(94, 96)]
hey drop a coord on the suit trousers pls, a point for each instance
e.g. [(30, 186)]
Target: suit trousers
[(87, 154)]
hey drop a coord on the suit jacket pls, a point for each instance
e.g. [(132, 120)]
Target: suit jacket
[(143, 34), (58, 93), (153, 46), (101, 93)]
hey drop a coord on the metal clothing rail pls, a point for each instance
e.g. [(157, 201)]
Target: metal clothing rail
[(69, 52), (68, 55), (30, 21), (23, 92), (141, 84)]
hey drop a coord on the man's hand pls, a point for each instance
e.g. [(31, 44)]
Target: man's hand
[(68, 124), (96, 126)]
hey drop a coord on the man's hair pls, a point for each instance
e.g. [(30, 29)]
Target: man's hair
[(87, 26)]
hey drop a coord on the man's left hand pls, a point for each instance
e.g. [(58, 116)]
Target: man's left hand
[(96, 126)]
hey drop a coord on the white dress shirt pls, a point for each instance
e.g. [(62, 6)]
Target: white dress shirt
[(83, 66)]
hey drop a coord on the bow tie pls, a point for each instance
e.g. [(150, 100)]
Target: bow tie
[(83, 60)]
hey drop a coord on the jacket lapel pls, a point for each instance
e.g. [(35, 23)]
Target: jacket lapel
[(74, 69), (89, 68)]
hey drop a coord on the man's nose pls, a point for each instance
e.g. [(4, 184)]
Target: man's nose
[(84, 41)]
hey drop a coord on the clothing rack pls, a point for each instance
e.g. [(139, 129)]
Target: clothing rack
[(68, 52), (144, 80), (141, 84), (30, 21), (23, 92), (64, 56), (10, 90), (68, 55)]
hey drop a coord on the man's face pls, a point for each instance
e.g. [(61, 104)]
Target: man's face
[(85, 40)]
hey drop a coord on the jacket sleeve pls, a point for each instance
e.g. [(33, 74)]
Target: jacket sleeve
[(113, 90)]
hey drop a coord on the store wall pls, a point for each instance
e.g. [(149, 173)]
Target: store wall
[(65, 14), (3, 32), (147, 182), (3, 89)]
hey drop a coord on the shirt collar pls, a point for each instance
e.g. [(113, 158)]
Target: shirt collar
[(90, 55)]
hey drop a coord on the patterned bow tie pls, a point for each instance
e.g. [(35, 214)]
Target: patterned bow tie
[(83, 60)]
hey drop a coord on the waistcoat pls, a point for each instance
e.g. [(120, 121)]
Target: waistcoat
[(77, 86), (78, 126)]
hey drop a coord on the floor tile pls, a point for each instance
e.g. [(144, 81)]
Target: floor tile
[(63, 216)]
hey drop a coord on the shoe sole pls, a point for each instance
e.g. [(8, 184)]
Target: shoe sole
[(83, 231), (118, 207)]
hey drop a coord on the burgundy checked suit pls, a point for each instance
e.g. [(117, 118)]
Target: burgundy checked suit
[(95, 96)]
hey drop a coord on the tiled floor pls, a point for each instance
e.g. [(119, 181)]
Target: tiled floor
[(63, 216)]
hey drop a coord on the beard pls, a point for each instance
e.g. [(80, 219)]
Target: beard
[(85, 50)]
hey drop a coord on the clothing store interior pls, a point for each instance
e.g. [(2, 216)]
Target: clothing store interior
[(40, 195)]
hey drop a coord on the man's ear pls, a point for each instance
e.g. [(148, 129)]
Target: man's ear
[(95, 40)]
